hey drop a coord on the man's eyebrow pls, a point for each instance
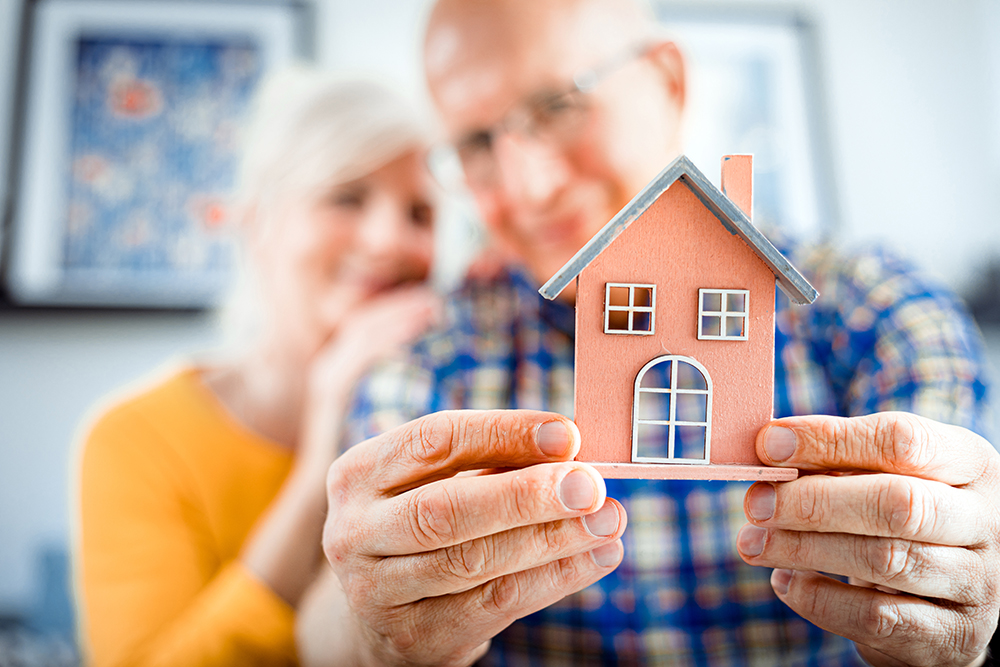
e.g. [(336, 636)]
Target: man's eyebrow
[(541, 96)]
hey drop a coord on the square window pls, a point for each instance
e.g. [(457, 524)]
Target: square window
[(723, 314), (629, 309)]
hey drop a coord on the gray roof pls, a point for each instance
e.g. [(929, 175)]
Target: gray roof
[(729, 214)]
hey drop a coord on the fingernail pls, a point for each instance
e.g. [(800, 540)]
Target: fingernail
[(779, 581), (606, 555), (750, 540), (553, 438), (761, 501), (577, 490), (779, 443), (604, 521)]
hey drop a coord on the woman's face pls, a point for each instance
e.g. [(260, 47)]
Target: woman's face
[(324, 256)]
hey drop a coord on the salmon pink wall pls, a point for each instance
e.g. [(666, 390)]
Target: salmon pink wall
[(680, 246)]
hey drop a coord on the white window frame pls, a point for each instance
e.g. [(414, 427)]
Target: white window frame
[(724, 313), (631, 309), (672, 423)]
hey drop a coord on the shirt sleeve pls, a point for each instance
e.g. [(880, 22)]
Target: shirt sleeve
[(152, 591)]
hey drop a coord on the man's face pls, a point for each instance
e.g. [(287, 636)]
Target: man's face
[(541, 194)]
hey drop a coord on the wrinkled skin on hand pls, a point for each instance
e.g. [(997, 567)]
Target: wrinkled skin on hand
[(909, 510), (444, 531)]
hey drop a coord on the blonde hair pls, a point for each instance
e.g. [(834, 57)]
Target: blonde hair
[(308, 130)]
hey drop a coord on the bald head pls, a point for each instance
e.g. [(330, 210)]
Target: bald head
[(548, 163), (492, 31)]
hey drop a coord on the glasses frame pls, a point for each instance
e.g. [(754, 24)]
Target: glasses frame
[(521, 117)]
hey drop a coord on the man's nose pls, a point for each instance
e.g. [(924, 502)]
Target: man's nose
[(532, 172)]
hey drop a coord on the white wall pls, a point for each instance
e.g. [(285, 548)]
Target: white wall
[(913, 112), (8, 33), (915, 123), (379, 37), (989, 11), (53, 367)]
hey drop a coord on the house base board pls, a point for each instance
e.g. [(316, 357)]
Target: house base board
[(708, 472)]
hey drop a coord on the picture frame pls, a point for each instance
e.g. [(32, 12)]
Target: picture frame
[(128, 149), (755, 86)]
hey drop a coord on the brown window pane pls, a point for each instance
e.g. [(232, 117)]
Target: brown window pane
[(618, 296), (643, 297), (618, 320)]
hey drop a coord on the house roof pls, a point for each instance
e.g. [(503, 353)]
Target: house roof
[(729, 214)]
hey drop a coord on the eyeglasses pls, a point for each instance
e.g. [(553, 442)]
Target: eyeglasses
[(555, 117)]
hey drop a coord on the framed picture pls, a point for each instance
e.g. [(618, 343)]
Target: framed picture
[(130, 141), (754, 86)]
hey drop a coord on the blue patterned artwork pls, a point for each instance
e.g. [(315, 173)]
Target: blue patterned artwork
[(154, 145)]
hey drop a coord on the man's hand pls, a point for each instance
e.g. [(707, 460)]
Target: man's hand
[(919, 535), (434, 563)]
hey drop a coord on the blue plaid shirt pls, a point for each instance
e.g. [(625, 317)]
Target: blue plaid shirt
[(879, 338)]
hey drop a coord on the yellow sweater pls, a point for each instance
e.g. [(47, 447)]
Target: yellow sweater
[(170, 487)]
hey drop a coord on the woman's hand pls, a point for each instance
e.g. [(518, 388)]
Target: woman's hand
[(285, 547), (369, 334)]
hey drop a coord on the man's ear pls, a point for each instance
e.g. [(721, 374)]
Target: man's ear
[(667, 58)]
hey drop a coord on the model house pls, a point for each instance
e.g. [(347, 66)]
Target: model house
[(675, 330)]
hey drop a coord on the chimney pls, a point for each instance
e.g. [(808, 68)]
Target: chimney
[(737, 181)]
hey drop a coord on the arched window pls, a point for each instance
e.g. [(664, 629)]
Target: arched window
[(672, 412)]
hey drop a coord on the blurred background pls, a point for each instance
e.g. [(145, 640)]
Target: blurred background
[(871, 121)]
